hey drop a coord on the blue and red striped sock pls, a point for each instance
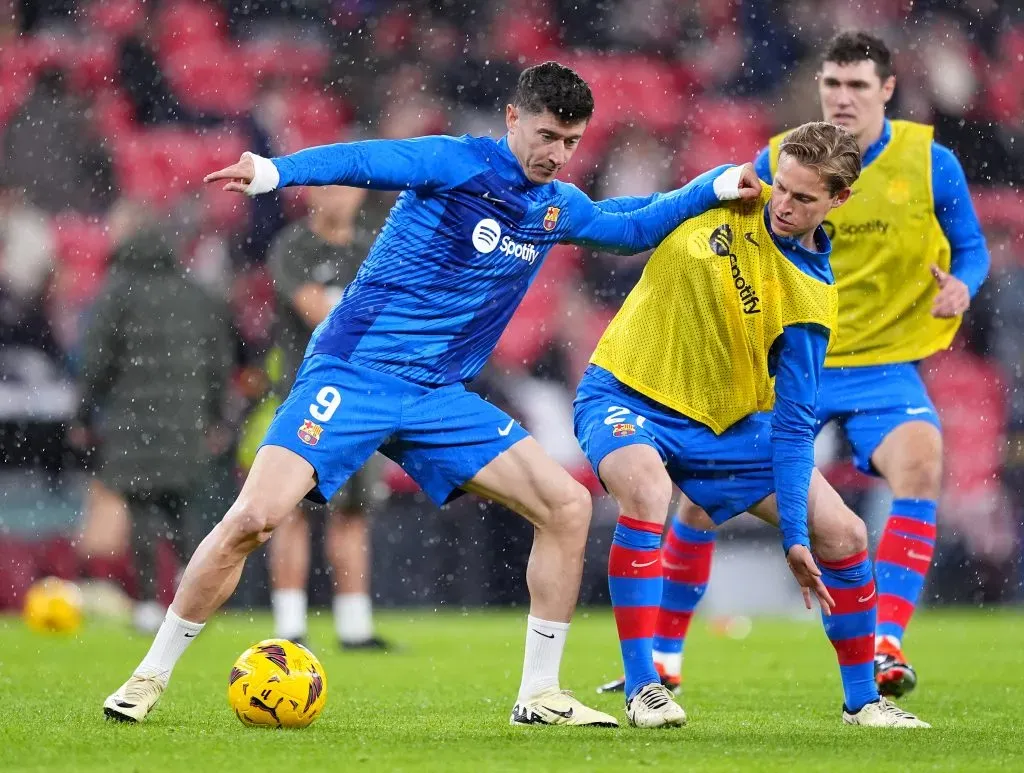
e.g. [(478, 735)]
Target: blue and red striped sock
[(851, 626), (903, 559), (686, 567), (634, 584)]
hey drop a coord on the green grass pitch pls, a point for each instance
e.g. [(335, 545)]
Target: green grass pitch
[(768, 702)]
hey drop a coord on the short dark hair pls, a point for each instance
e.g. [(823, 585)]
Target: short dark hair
[(554, 87), (857, 46)]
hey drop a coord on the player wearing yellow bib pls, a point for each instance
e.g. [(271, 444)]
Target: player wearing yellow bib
[(908, 255), (707, 378)]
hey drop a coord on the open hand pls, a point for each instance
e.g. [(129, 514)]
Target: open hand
[(953, 298), (239, 175), (808, 575)]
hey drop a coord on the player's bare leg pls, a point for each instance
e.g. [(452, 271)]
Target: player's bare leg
[(347, 543), (910, 460), (528, 481), (100, 546), (288, 558), (839, 541), (278, 480), (635, 476)]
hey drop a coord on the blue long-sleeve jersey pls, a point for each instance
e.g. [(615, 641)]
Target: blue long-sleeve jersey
[(460, 247), (969, 259)]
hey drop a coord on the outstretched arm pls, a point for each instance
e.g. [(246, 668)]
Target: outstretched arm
[(631, 231), (420, 163)]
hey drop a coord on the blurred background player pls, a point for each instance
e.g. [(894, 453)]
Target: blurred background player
[(156, 360), (311, 261), (728, 417), (908, 256)]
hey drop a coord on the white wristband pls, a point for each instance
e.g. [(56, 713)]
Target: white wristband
[(727, 184), (265, 178)]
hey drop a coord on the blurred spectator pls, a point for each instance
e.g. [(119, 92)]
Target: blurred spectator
[(637, 163), (26, 246), (146, 85), (51, 153), (155, 365)]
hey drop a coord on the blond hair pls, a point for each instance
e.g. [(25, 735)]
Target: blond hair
[(829, 149)]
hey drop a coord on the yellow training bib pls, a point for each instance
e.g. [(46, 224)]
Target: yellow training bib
[(883, 241), (695, 332)]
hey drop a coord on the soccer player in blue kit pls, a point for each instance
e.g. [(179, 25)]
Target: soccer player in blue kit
[(386, 369)]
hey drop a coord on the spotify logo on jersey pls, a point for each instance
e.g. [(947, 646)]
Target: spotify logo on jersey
[(486, 235)]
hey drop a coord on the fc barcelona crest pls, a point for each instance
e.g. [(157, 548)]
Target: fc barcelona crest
[(309, 432), (551, 218)]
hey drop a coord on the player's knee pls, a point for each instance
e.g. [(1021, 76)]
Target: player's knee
[(248, 524), (694, 516), (845, 536), (920, 476), (646, 500), (570, 510)]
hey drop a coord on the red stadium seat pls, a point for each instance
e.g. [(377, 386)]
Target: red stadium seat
[(17, 75), (296, 63), (530, 330), (159, 165), (113, 116), (96, 66), (188, 24), (117, 18), (82, 247), (310, 117), (634, 89), (211, 77)]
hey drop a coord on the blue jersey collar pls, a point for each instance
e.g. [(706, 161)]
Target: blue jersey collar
[(508, 165)]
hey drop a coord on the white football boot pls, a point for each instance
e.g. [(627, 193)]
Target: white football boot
[(135, 699), (559, 707), (882, 713), (653, 706)]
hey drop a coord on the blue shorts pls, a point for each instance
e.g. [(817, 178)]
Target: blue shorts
[(870, 402), (337, 414), (725, 474)]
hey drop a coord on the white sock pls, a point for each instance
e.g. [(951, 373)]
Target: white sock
[(353, 617), (671, 662), (170, 643), (545, 642), (289, 607)]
